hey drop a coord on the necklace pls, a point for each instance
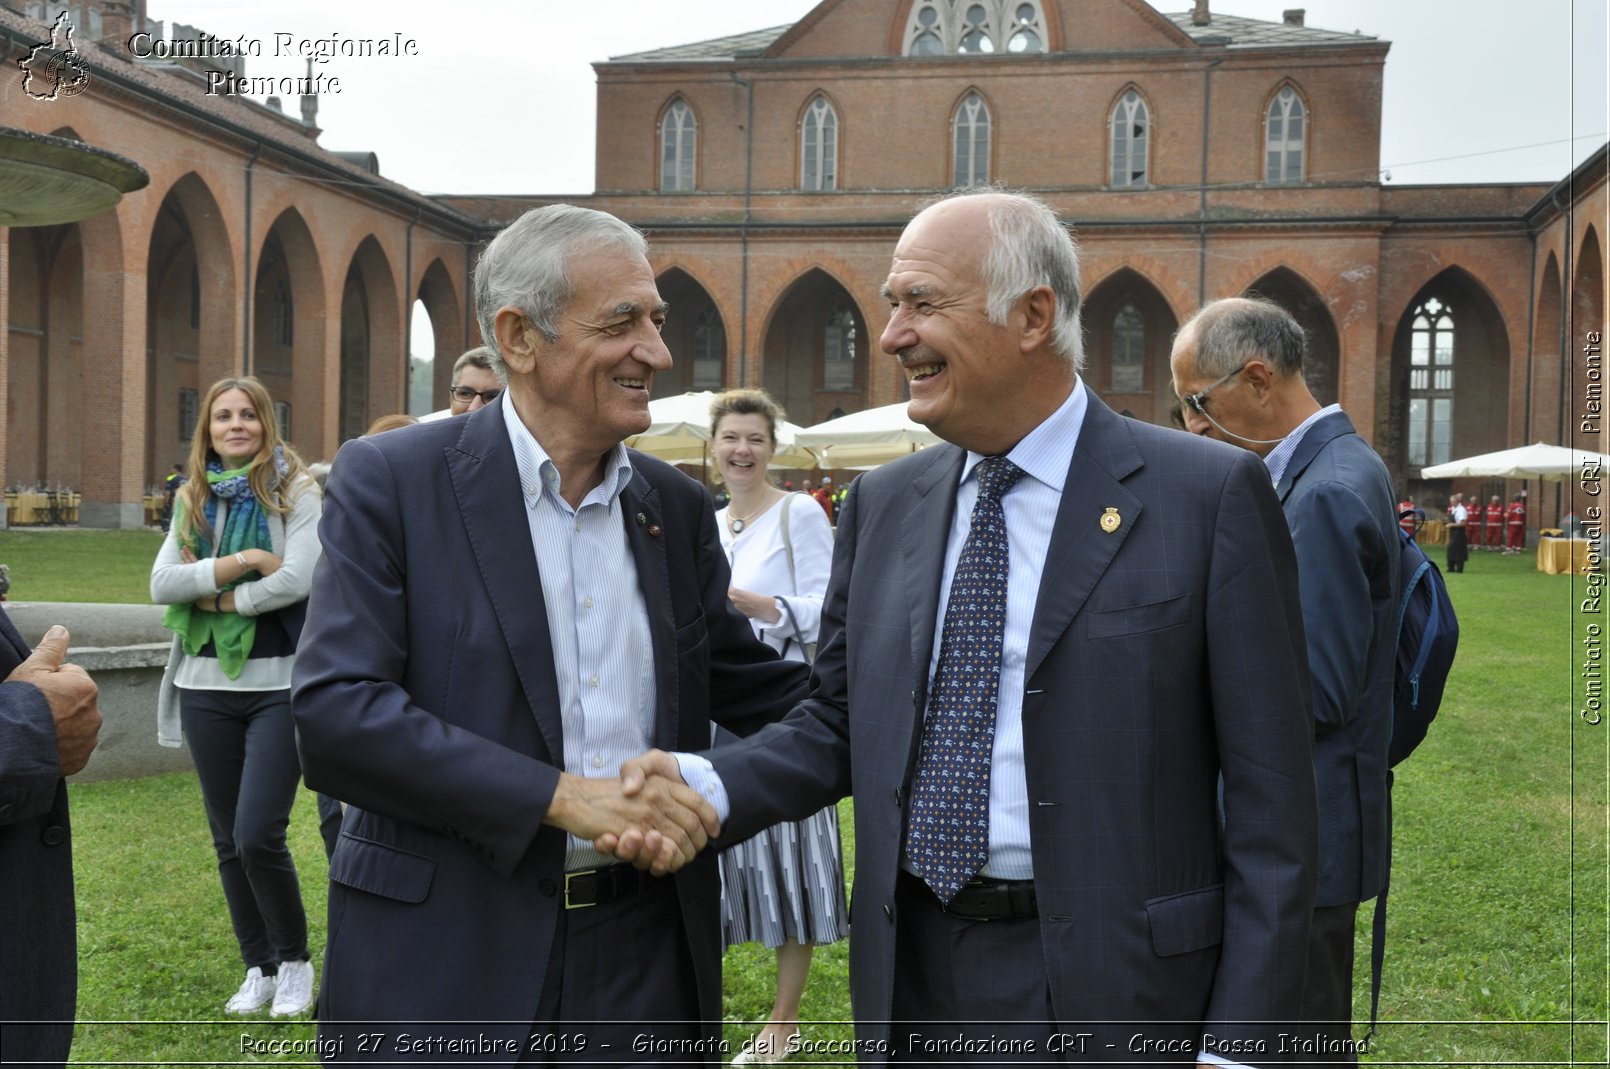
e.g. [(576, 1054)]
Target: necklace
[(738, 523)]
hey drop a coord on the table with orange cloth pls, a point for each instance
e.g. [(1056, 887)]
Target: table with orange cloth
[(1563, 556), (1432, 533)]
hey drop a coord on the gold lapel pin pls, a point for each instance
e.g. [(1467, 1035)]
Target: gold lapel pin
[(1110, 520), (654, 530)]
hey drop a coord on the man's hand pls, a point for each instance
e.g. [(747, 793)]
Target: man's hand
[(642, 846), (72, 697), (665, 822)]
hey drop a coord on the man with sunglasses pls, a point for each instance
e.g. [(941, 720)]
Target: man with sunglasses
[(475, 384), (1238, 369)]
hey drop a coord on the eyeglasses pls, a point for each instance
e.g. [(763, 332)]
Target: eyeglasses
[(1197, 402), (465, 395)]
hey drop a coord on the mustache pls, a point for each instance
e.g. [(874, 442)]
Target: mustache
[(917, 355)]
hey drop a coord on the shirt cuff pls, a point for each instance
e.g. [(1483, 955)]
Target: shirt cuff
[(700, 774)]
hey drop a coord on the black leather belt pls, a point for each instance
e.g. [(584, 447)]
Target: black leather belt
[(984, 898), (596, 887)]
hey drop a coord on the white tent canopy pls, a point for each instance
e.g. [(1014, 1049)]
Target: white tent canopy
[(867, 439), (680, 433), (1551, 463)]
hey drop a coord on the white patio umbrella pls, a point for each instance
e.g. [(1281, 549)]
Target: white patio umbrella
[(869, 438), (1551, 463), (680, 433)]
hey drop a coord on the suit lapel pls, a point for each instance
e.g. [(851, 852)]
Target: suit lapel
[(930, 505), (486, 483), (639, 499), (1315, 438), (1081, 548)]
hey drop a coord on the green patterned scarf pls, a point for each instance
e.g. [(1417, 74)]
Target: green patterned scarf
[(245, 527)]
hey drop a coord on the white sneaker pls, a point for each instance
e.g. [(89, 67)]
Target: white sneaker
[(254, 994), (295, 993)]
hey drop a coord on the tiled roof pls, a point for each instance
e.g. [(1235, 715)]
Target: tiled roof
[(719, 48), (1256, 33), (1243, 33)]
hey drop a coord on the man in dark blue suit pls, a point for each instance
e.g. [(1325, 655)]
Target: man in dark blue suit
[(1105, 614), (49, 724), (510, 604), (1238, 363)]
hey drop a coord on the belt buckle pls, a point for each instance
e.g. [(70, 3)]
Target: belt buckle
[(578, 905)]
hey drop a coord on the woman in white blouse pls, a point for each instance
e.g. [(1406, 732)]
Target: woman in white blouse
[(785, 886)]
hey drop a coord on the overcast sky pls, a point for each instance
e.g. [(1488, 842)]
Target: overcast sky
[(501, 100)]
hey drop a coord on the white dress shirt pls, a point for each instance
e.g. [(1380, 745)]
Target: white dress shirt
[(1030, 507), (603, 654)]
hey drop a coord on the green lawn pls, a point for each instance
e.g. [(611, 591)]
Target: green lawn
[(1497, 926), (69, 564)]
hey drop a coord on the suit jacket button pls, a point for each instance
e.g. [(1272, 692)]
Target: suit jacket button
[(54, 835), (548, 887), (897, 797)]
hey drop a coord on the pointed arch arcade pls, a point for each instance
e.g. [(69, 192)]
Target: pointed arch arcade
[(815, 355)]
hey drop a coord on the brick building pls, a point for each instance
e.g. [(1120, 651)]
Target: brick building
[(1196, 154)]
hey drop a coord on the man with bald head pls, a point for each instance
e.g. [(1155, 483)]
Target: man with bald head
[(1043, 645), (1238, 367)]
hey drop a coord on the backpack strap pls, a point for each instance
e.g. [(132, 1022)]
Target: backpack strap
[(1377, 958)]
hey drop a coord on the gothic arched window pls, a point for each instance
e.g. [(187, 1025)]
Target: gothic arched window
[(1131, 129), (838, 351), (978, 27), (970, 138), (678, 142), (819, 146), (709, 350), (1285, 132), (1431, 356), (1128, 351)]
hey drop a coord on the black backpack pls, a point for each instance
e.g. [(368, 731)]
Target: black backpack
[(1428, 637)]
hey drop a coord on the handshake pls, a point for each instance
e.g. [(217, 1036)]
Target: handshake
[(648, 817)]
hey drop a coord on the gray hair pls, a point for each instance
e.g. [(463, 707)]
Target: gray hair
[(524, 266), (1029, 247), (482, 356), (1233, 330)]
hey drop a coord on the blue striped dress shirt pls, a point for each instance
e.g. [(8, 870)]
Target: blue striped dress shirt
[(603, 654)]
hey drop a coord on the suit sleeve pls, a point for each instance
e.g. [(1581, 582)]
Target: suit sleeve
[(29, 765), (1333, 529), (360, 735), (1259, 689)]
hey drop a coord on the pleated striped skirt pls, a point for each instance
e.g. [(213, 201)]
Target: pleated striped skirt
[(786, 883)]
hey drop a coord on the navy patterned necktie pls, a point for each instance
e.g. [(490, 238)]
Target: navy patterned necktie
[(947, 838)]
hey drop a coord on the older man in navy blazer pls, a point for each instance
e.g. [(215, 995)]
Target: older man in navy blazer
[(50, 720), (1238, 363), (1045, 643), (510, 603)]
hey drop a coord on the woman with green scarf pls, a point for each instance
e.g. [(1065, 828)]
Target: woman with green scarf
[(235, 571)]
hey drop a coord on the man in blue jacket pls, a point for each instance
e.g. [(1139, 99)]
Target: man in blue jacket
[(1238, 367)]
